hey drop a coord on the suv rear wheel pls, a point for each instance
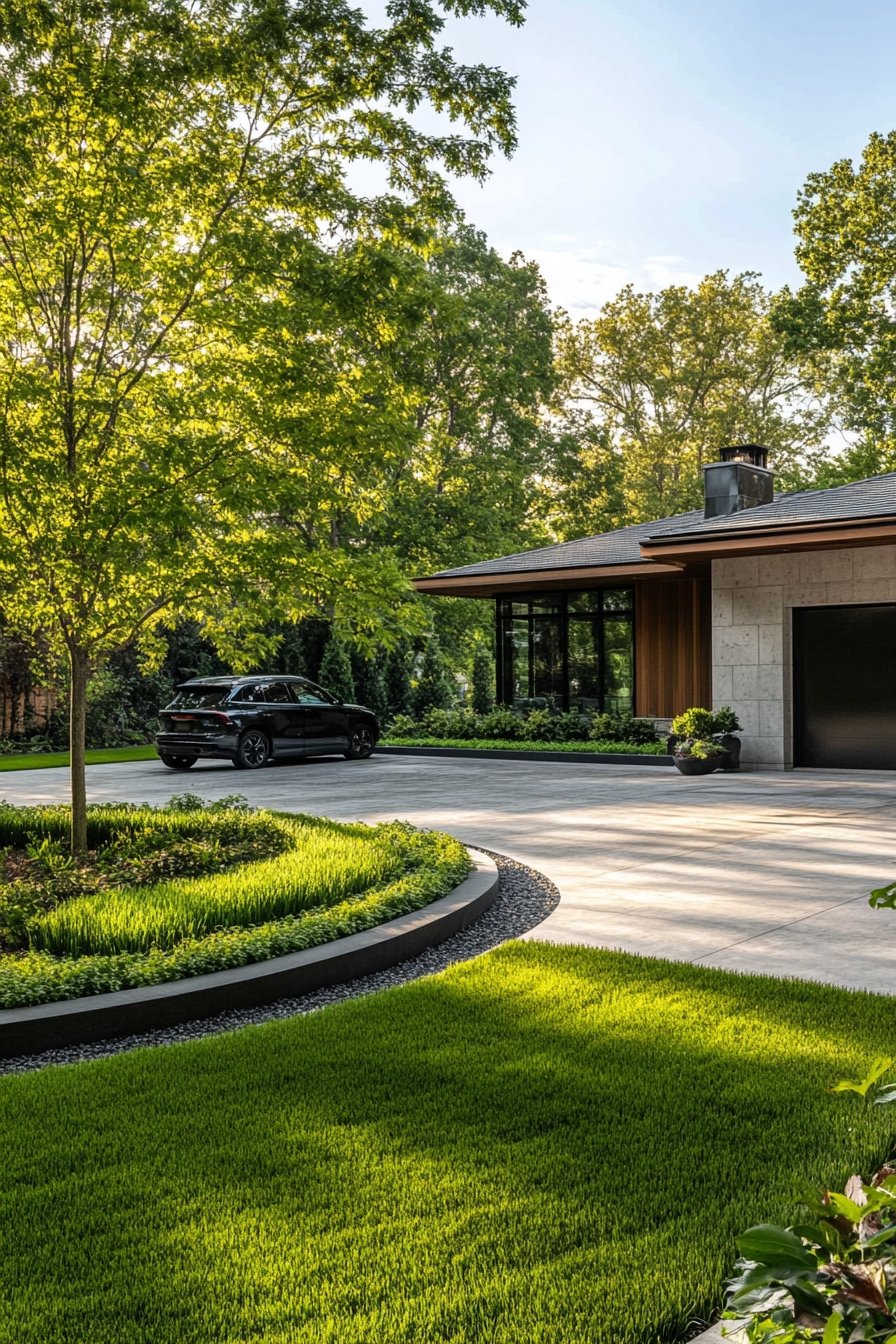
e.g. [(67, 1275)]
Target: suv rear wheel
[(253, 752)]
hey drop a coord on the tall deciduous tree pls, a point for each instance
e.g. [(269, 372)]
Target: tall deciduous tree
[(669, 378), (166, 167), (844, 318)]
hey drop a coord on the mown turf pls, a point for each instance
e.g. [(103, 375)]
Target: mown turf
[(101, 756), (544, 1146)]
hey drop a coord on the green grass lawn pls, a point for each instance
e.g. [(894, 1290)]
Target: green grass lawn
[(546, 1145), (40, 760)]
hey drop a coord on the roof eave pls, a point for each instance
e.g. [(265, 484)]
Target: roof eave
[(510, 581), (770, 538)]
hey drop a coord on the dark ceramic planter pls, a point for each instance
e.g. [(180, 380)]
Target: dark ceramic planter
[(731, 759), (692, 765)]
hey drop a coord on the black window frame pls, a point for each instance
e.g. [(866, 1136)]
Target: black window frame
[(505, 618)]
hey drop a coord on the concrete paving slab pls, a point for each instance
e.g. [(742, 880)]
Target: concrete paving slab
[(755, 871)]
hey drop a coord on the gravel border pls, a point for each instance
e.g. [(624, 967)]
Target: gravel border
[(525, 899)]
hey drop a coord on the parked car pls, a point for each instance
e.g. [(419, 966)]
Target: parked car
[(252, 720)]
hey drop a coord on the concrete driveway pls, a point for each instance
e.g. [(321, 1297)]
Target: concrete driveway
[(764, 872)]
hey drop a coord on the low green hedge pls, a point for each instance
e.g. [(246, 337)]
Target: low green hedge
[(334, 879), (501, 744)]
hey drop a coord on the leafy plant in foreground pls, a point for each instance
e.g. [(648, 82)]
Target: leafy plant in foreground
[(831, 1278)]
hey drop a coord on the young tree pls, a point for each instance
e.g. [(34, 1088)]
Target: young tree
[(167, 169), (336, 671), (670, 378), (482, 678), (376, 696), (432, 689), (398, 679)]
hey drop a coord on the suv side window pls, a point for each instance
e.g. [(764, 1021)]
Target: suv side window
[(274, 693)]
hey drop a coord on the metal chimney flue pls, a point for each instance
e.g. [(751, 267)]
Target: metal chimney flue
[(739, 480)]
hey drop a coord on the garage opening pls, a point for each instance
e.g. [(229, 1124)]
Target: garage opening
[(844, 668)]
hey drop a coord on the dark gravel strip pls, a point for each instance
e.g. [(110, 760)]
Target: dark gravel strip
[(525, 898)]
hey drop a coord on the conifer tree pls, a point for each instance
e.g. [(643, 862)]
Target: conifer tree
[(336, 671)]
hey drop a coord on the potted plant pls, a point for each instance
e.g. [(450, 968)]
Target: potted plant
[(697, 756), (725, 725)]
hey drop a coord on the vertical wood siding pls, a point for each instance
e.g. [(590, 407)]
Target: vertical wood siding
[(672, 646)]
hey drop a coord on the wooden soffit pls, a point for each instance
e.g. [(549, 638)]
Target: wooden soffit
[(527, 581)]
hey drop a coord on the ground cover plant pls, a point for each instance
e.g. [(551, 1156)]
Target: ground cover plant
[(502, 744), (548, 1144), (163, 893)]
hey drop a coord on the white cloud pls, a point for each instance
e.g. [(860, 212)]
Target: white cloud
[(582, 279)]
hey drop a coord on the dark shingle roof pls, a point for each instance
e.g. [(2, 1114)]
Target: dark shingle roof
[(871, 498), (622, 547)]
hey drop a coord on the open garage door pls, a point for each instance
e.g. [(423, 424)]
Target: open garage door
[(844, 668)]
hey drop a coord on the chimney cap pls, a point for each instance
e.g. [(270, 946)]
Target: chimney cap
[(753, 453)]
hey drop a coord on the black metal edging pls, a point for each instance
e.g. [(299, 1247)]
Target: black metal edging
[(49, 1026), (498, 753)]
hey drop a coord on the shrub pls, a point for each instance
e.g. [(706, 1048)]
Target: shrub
[(502, 723), (460, 723), (336, 671), (376, 695), (540, 725), (725, 721), (694, 723), (571, 727), (403, 726), (622, 728), (433, 690), (700, 748), (398, 681), (482, 679)]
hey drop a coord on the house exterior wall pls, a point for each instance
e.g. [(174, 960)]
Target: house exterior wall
[(672, 646), (753, 598)]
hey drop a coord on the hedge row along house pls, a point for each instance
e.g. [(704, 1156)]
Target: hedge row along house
[(780, 605)]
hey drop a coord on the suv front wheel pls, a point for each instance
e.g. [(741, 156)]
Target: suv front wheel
[(361, 743)]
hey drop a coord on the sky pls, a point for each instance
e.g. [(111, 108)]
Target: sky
[(661, 141)]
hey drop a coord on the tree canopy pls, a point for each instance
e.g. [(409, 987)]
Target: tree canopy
[(171, 173), (659, 382)]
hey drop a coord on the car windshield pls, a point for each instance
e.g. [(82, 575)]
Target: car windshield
[(199, 697)]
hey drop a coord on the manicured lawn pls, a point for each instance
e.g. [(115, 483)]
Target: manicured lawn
[(104, 756), (546, 1145)]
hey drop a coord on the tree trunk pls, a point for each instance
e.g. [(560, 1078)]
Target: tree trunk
[(77, 708)]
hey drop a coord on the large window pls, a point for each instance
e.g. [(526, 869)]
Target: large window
[(567, 650)]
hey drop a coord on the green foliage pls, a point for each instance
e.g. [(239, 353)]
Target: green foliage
[(700, 748), (725, 721), (694, 723), (336, 671), (622, 728), (376, 694), (398, 680), (432, 689), (599, 1126), (611, 747), (445, 723), (331, 880), (173, 366), (842, 319), (668, 379), (482, 678), (501, 722)]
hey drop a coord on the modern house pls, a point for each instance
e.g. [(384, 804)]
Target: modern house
[(780, 605)]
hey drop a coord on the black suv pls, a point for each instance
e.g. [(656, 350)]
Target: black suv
[(250, 720)]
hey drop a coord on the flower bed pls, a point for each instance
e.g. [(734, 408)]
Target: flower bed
[(248, 886)]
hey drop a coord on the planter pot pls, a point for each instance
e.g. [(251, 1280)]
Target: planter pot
[(692, 765), (731, 759)]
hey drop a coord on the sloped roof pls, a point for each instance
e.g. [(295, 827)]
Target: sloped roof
[(874, 497), (622, 547)]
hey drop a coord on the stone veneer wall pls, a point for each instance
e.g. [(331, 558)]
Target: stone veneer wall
[(752, 601)]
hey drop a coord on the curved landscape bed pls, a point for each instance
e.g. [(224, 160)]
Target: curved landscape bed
[(297, 882)]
